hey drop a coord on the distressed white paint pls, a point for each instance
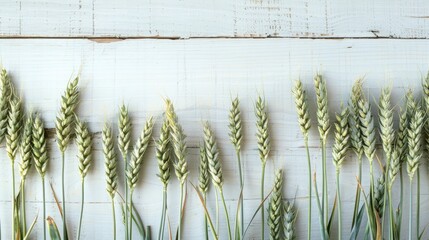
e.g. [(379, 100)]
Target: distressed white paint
[(223, 18), (200, 76)]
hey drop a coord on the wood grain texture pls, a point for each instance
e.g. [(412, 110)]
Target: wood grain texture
[(200, 76), (223, 18)]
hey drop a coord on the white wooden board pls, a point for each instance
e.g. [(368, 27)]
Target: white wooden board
[(224, 18), (200, 76)]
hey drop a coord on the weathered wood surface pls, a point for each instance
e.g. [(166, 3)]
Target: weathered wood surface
[(224, 18), (200, 76)]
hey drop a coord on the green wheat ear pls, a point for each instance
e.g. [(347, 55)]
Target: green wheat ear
[(84, 145), (263, 134), (65, 118), (5, 95)]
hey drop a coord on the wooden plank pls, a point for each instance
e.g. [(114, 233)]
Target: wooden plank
[(200, 76), (192, 18)]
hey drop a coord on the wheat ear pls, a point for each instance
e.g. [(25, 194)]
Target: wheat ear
[(39, 149), (124, 138), (302, 108), (262, 134), (5, 95), (235, 126), (215, 166), (14, 126), (65, 117), (367, 128), (163, 154), (110, 160), (395, 166), (379, 196), (133, 170), (203, 177), (84, 145), (322, 106), (414, 140), (275, 208), (341, 144), (385, 113), (178, 140), (290, 215), (355, 131), (25, 147), (401, 138)]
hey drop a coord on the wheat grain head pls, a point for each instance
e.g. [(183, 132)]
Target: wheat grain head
[(163, 154), (322, 106), (84, 146), (341, 144), (262, 133), (25, 147), (65, 118), (235, 127), (110, 160), (302, 108), (40, 152)]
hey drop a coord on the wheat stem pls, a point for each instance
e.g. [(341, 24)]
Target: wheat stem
[(81, 209), (114, 218), (226, 213), (339, 205), (44, 208)]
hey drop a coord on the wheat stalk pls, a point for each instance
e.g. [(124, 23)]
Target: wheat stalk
[(340, 148), (275, 208), (133, 170), (290, 215), (236, 136), (178, 140), (305, 123), (215, 167), (40, 155), (124, 141), (84, 145), (5, 95), (64, 130), (110, 165), (65, 117), (264, 146), (302, 108), (341, 144)]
